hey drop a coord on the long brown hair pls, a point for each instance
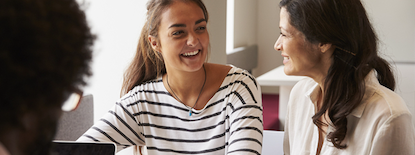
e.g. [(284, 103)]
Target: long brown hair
[(344, 24), (148, 64)]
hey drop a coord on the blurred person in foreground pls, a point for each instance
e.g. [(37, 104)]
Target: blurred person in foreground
[(347, 106), (45, 51)]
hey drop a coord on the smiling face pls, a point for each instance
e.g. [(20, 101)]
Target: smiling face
[(300, 56), (183, 37)]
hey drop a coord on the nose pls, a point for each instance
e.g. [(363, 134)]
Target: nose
[(278, 45), (192, 39)]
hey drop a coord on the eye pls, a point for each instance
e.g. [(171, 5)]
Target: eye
[(201, 28), (282, 34), (177, 33)]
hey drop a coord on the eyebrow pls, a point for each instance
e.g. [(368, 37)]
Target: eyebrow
[(286, 31), (184, 25), (200, 20)]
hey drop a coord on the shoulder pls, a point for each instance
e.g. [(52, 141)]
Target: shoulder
[(149, 85), (383, 98), (382, 105), (242, 77), (230, 74), (386, 100), (237, 73), (227, 69), (387, 112), (242, 84), (152, 87)]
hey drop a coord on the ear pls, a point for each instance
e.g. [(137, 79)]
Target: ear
[(326, 47), (153, 42)]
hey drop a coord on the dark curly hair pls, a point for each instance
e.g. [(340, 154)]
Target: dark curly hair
[(45, 51)]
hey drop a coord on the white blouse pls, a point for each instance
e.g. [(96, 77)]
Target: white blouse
[(381, 125)]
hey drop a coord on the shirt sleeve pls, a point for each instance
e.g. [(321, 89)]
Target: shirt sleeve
[(246, 124), (396, 136), (286, 143), (119, 126)]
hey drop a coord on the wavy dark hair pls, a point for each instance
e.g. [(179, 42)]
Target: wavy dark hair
[(148, 64), (344, 24), (45, 51)]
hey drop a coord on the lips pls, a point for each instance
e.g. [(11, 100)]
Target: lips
[(189, 54), (286, 59)]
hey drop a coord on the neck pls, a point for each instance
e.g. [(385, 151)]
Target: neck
[(320, 79), (184, 80), (319, 73), (184, 86)]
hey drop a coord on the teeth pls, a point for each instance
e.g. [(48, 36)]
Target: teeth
[(286, 58), (191, 53)]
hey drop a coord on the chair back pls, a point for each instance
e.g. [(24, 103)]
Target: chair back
[(75, 123)]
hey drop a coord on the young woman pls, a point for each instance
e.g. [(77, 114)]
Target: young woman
[(173, 101), (347, 106)]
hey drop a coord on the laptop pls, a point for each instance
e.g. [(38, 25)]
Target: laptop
[(82, 148)]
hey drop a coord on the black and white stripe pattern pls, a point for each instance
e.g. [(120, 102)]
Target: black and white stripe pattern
[(230, 123)]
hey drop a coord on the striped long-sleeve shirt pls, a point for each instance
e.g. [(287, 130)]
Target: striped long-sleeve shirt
[(230, 123)]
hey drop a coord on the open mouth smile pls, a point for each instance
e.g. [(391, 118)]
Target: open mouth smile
[(286, 60), (190, 54)]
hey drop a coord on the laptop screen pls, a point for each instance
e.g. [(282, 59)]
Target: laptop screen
[(82, 148)]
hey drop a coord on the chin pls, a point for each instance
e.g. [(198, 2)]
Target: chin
[(288, 70), (195, 67)]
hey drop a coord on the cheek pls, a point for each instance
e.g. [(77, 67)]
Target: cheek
[(291, 48), (297, 54), (307, 57), (168, 45), (204, 39)]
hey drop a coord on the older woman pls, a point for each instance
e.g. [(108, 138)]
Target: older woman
[(347, 106)]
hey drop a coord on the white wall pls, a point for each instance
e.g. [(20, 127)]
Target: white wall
[(217, 30), (245, 23), (267, 33), (394, 22), (117, 25), (256, 22)]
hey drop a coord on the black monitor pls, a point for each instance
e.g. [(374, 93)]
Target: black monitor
[(82, 148)]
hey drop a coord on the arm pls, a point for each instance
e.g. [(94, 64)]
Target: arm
[(246, 119), (118, 126), (396, 136)]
